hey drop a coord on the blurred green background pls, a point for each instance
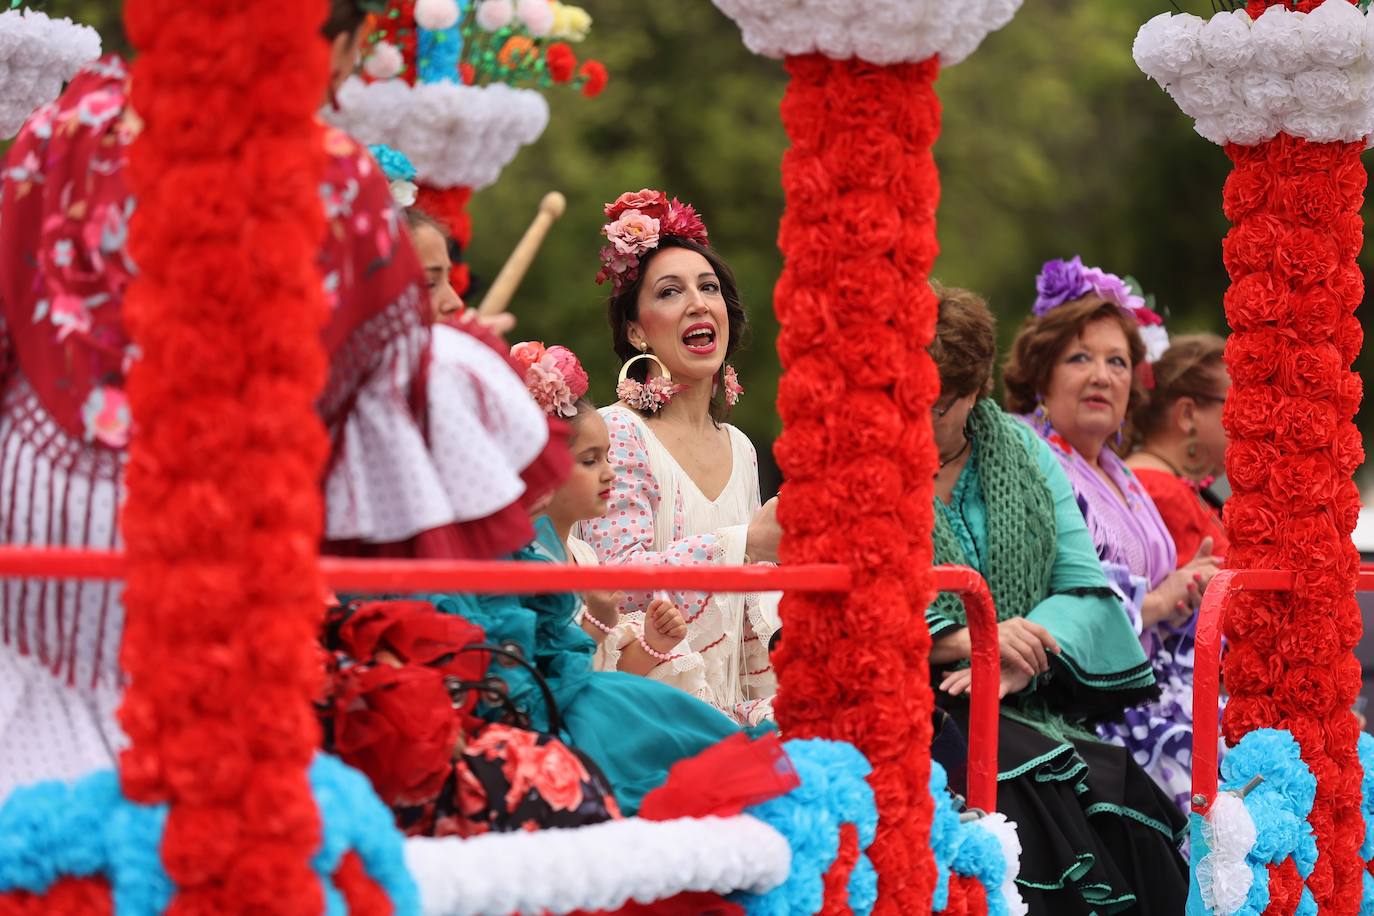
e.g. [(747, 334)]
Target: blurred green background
[(1054, 143)]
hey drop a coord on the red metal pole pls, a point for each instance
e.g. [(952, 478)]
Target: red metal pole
[(984, 701)]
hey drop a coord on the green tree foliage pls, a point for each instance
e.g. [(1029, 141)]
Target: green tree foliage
[(1054, 143)]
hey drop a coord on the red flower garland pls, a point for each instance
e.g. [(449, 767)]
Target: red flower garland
[(561, 61), (396, 26), (859, 240), (223, 516), (1295, 286)]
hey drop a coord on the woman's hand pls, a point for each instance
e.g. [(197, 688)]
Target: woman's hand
[(764, 534), (1014, 680), (1180, 595), (604, 606), (664, 627), (1023, 646)]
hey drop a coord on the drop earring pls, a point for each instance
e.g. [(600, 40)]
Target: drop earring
[(1042, 418)]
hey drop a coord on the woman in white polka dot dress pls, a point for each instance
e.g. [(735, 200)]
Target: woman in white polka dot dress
[(686, 488)]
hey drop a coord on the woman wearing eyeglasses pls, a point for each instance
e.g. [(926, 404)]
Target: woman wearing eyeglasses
[(1181, 443), (1072, 376)]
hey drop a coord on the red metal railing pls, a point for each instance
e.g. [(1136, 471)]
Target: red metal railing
[(1207, 665), (533, 578)]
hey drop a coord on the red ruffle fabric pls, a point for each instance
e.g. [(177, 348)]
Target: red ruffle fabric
[(723, 780)]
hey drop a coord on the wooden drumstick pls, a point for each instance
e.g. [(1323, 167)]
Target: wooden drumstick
[(508, 280)]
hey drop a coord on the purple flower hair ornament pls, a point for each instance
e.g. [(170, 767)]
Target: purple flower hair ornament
[(1063, 281)]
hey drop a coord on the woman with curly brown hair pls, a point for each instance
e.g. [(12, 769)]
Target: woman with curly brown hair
[(1072, 376)]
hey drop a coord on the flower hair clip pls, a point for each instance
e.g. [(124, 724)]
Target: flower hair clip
[(638, 221), (400, 172), (1063, 281), (553, 375)]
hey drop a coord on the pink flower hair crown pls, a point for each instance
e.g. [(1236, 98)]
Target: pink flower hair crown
[(553, 375), (638, 220)]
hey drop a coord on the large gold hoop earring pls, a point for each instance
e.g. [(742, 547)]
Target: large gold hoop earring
[(650, 395)]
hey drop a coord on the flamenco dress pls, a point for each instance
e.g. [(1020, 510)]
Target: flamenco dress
[(634, 728), (1098, 836)]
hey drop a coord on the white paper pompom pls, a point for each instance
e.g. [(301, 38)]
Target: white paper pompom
[(38, 55), (456, 136), (1310, 75), (879, 31), (1225, 40), (1333, 35), (494, 14), (384, 61), (1277, 37), (436, 15), (1323, 89), (537, 16), (1207, 92)]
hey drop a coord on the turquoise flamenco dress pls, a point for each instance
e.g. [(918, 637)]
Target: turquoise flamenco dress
[(635, 729)]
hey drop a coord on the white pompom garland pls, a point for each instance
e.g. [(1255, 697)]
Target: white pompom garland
[(1224, 876), (1244, 81), (878, 31), (457, 136), (37, 55), (596, 868)]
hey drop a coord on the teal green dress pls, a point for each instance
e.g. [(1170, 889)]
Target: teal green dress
[(1098, 836), (635, 729)]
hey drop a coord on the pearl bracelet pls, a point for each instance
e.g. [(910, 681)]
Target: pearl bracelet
[(661, 656), (589, 616)]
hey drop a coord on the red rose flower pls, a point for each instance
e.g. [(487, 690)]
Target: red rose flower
[(802, 451), (1249, 670), (870, 422), (1250, 519), (1304, 423), (1250, 415), (1302, 479), (1307, 370), (1347, 283), (1312, 196), (1253, 358), (1248, 462), (594, 77), (1250, 246), (809, 387), (561, 61), (560, 776), (1245, 191), (1349, 337), (1255, 300), (1308, 687), (1244, 714), (1306, 256)]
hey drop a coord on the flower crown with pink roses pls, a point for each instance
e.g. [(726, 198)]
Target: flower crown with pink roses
[(638, 221), (553, 375), (1063, 281)]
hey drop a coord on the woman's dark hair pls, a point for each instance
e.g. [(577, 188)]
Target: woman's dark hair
[(1041, 341), (345, 18), (623, 308), (1194, 366), (965, 344)]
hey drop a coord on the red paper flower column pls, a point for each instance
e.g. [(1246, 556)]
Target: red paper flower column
[(856, 313), (1295, 287), (223, 513), (1294, 198)]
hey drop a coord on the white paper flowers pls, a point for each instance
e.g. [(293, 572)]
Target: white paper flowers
[(457, 136), (1310, 75), (37, 55), (600, 867), (879, 31), (1223, 874)]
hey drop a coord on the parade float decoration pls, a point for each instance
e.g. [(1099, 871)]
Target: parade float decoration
[(1287, 91), (856, 312), (37, 55), (457, 86)]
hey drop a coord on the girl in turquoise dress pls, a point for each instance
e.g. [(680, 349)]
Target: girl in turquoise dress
[(635, 729)]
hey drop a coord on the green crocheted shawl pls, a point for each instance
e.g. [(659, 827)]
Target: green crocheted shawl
[(1021, 524)]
